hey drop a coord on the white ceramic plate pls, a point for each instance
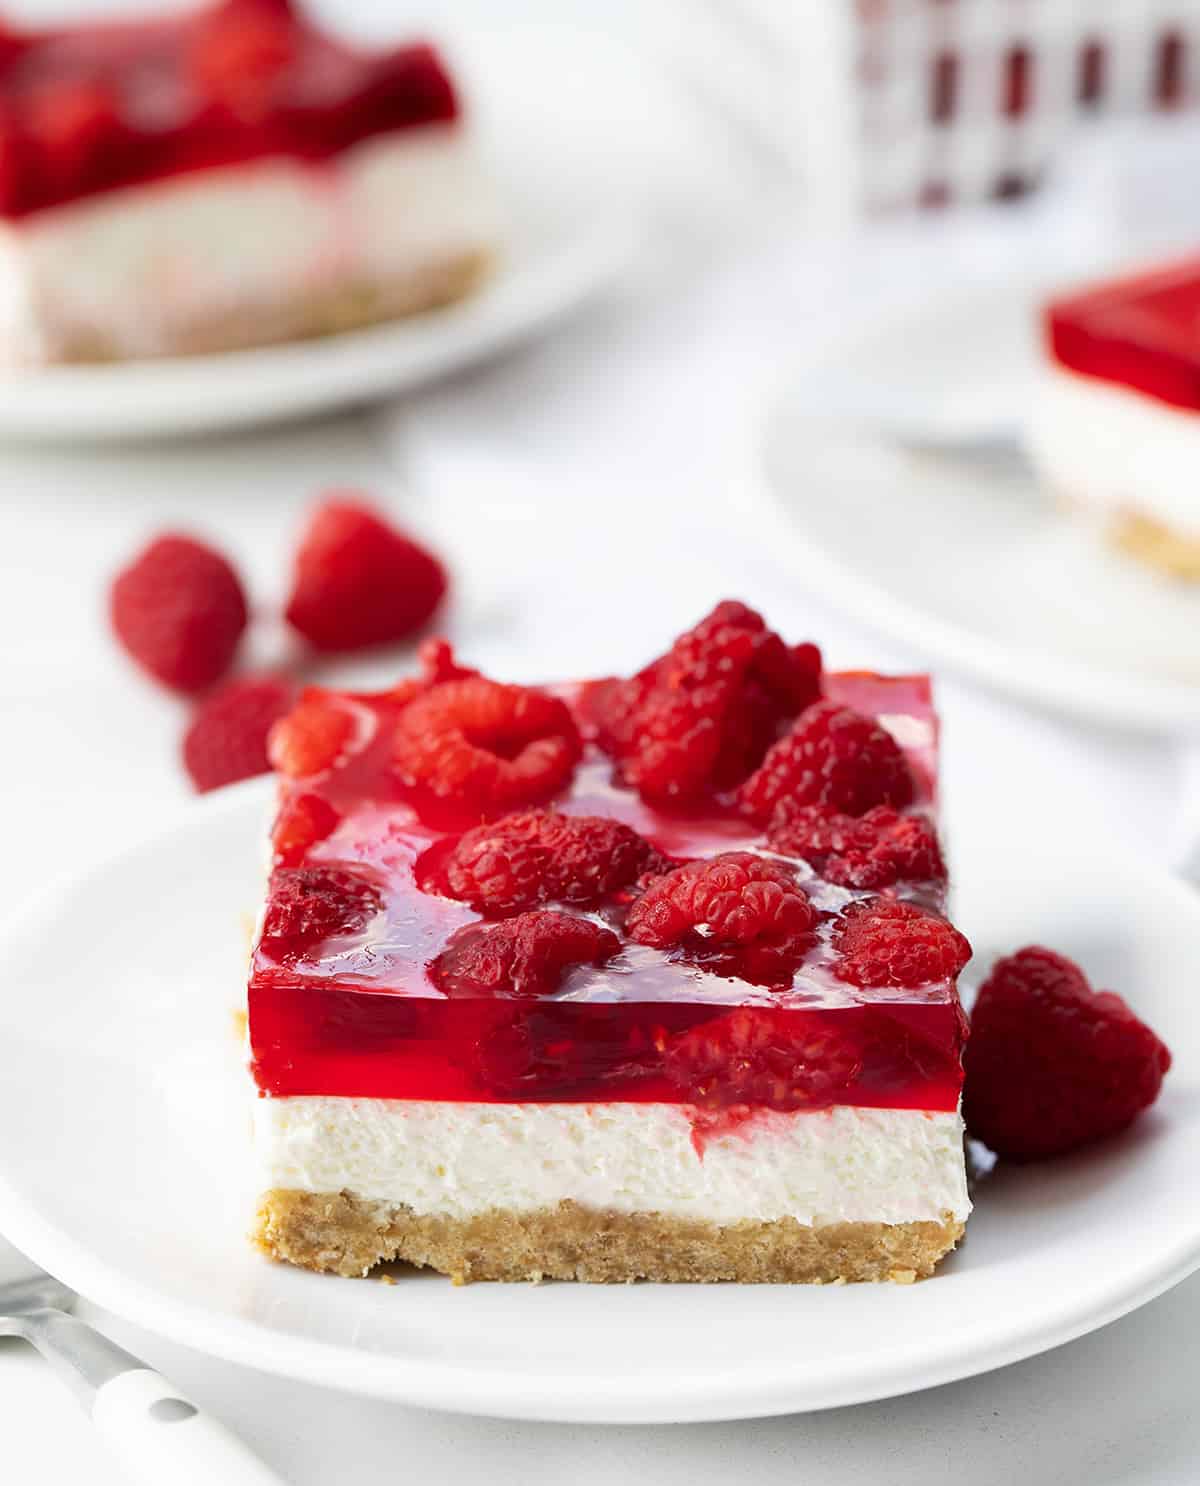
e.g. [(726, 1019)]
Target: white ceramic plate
[(558, 249), (123, 1135), (963, 557)]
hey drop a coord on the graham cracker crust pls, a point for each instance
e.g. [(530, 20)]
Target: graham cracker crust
[(1162, 547), (350, 306), (338, 1233)]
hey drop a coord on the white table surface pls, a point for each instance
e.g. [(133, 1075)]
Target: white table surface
[(586, 492)]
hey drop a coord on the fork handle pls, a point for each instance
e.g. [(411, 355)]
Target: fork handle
[(157, 1433), (160, 1436)]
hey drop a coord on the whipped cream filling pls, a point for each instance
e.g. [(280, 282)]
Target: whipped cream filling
[(134, 269), (842, 1164), (1114, 449)]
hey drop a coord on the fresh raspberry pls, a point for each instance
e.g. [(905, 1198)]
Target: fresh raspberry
[(833, 756), (524, 956), (478, 747), (701, 717), (1051, 1064), (735, 900), (302, 821), (179, 610), (227, 737), (314, 736), (886, 942), (307, 905), (359, 582), (761, 1056), (439, 663), (874, 851), (540, 856)]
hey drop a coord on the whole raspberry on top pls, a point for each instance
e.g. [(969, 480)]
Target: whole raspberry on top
[(303, 820), (477, 747), (1052, 1065), (439, 663), (700, 718), (179, 610), (314, 736), (875, 850), (833, 756), (886, 942), (524, 956), (227, 737), (325, 728), (359, 582), (755, 1056), (733, 901), (540, 856), (307, 905)]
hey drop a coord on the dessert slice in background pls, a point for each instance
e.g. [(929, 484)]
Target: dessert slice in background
[(641, 978), (226, 178), (1115, 418)]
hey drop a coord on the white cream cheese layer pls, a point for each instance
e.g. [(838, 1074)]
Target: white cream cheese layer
[(1115, 449), (135, 269), (825, 1166)]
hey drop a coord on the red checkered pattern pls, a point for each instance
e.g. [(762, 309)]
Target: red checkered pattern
[(899, 102)]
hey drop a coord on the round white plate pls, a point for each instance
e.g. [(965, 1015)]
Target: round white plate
[(123, 1168), (558, 249), (961, 555)]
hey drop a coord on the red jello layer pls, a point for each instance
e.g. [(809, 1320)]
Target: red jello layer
[(903, 1055), (1139, 332), (358, 1014), (95, 107)]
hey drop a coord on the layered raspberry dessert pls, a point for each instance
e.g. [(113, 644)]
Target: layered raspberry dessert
[(226, 178), (1115, 420), (632, 978)]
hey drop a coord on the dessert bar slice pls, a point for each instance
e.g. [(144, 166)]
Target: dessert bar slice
[(643, 978), (225, 178), (1115, 423)]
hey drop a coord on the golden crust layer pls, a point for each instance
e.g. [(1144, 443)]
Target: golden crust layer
[(348, 307), (338, 1233)]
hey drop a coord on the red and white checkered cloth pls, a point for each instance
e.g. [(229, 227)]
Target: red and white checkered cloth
[(879, 104)]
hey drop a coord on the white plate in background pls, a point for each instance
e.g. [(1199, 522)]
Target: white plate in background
[(560, 247), (123, 1167), (962, 555)]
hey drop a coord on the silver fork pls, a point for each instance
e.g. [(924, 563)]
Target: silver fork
[(157, 1434)]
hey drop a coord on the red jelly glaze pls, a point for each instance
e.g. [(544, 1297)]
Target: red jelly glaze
[(361, 1016), (1136, 332), (91, 108)]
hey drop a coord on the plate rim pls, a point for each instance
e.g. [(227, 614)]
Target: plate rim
[(534, 285), (1064, 686), (453, 1387)]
